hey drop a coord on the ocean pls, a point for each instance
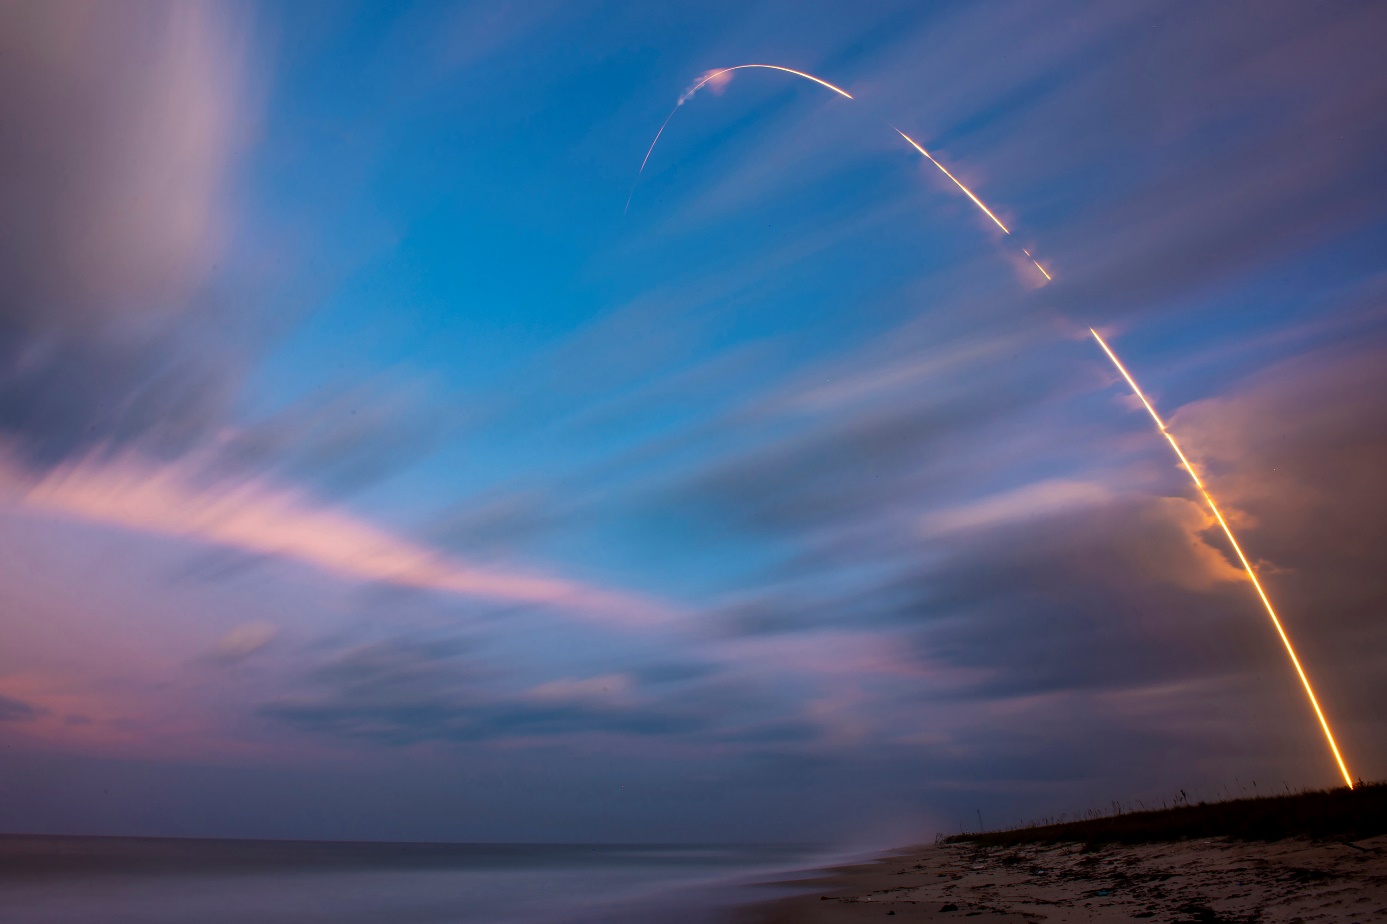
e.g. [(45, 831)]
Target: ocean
[(119, 880)]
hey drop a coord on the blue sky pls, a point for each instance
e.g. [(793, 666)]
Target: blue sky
[(367, 472)]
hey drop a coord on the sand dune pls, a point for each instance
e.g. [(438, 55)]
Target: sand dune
[(1294, 881)]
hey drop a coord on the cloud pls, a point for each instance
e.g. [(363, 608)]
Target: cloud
[(610, 688), (243, 641), (125, 129), (406, 691), (1121, 595), (843, 467), (1298, 450), (1026, 502), (259, 517), (17, 710), (62, 396), (1257, 142), (493, 526), (715, 80), (340, 440), (1099, 596), (942, 553), (121, 125)]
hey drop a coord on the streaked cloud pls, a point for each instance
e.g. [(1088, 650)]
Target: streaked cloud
[(243, 641), (261, 518), (344, 414), (1028, 501), (17, 710)]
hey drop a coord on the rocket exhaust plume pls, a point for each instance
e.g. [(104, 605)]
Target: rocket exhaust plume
[(716, 76), (722, 73), (1048, 277), (969, 193), (1247, 566), (710, 77), (976, 201)]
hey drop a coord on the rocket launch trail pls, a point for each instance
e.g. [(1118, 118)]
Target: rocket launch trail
[(1160, 424), (969, 193), (1247, 565), (706, 79), (721, 72), (976, 201)]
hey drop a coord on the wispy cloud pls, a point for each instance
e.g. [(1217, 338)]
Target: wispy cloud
[(256, 516), (1028, 501)]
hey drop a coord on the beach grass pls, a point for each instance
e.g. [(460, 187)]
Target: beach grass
[(1333, 813)]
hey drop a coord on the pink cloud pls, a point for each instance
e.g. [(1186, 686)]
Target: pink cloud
[(257, 516), (1042, 498), (130, 116)]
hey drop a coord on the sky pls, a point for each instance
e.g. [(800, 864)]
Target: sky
[(367, 472)]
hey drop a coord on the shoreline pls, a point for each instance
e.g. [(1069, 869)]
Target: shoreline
[(1203, 881)]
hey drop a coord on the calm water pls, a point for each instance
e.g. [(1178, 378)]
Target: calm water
[(63, 880)]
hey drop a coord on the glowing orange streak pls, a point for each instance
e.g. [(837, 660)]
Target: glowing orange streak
[(1247, 566), (976, 201), (713, 75), (1208, 498), (772, 67), (650, 150), (698, 86), (1048, 277)]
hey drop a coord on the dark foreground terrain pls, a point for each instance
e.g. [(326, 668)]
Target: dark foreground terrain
[(1335, 813), (1308, 858)]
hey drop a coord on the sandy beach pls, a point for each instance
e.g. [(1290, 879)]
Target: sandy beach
[(1204, 881)]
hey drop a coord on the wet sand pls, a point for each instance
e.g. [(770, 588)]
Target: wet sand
[(1218, 881)]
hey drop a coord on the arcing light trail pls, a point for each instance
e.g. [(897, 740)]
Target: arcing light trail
[(715, 74), (1048, 277), (699, 85), (1232, 540), (1208, 498), (976, 201)]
